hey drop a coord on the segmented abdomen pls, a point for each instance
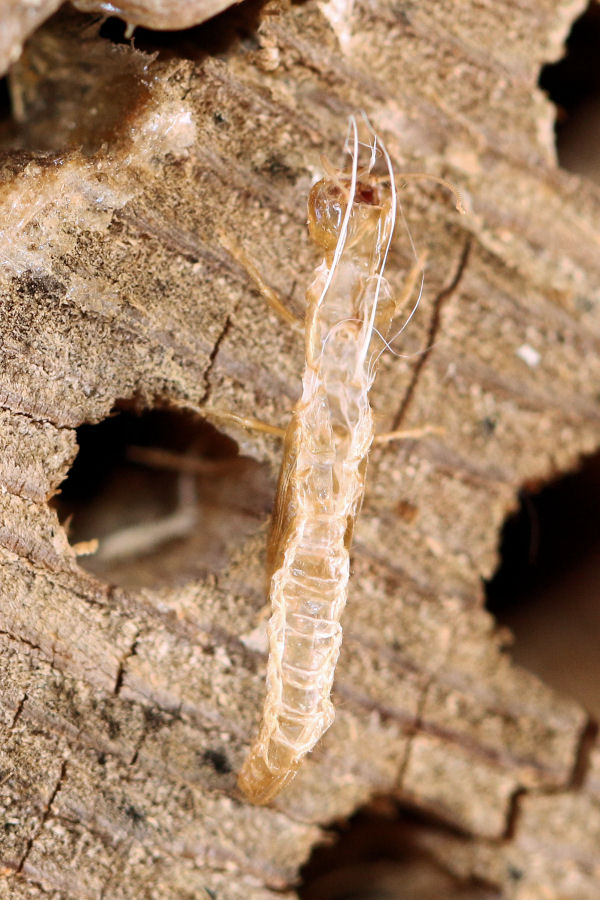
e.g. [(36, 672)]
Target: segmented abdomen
[(308, 592)]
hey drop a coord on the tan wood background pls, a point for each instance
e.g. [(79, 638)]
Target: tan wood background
[(130, 687)]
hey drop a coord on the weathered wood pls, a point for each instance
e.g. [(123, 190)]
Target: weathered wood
[(126, 711), (20, 18)]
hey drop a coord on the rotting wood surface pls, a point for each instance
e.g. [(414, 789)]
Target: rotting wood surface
[(127, 711)]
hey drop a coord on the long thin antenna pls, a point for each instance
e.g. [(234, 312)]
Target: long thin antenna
[(339, 248), (392, 216)]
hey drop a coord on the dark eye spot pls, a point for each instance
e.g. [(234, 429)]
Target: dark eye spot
[(365, 193)]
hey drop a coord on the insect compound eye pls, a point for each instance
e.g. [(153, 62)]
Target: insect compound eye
[(366, 193), (326, 208)]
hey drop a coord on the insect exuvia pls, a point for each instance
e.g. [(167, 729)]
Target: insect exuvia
[(350, 308)]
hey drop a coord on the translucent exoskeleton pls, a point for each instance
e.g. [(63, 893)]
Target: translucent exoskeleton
[(350, 308)]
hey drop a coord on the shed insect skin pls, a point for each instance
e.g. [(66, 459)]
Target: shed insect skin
[(350, 308)]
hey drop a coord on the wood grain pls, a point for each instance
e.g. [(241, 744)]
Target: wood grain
[(126, 711)]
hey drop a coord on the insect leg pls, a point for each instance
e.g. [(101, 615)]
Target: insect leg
[(417, 269), (426, 176), (277, 305), (407, 434), (247, 422)]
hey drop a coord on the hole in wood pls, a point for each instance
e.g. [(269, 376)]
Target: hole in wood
[(379, 855), (573, 84), (5, 107), (546, 587), (72, 90), (165, 494), (232, 30)]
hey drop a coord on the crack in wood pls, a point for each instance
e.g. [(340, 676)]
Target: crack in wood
[(44, 818), (587, 744), (417, 727), (513, 811), (39, 420), (22, 640), (35, 551), (19, 710), (121, 668), (417, 724), (212, 357), (436, 317)]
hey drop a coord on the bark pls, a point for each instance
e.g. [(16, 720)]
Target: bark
[(130, 686)]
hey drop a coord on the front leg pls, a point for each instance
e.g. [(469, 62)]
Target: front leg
[(232, 245)]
